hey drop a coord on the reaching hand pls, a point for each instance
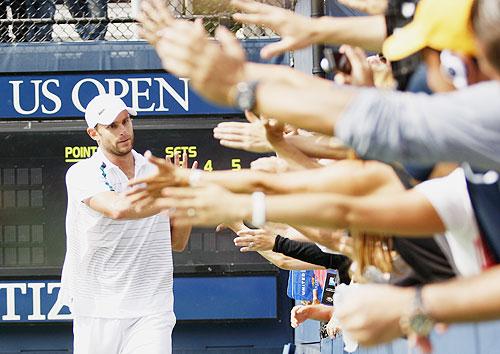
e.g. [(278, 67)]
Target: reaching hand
[(153, 17), (270, 164), (275, 131), (181, 46), (234, 227), (299, 314), (294, 29), (244, 136), (208, 205), (186, 51), (372, 7), (318, 312), (332, 328), (254, 240), (371, 313), (146, 189)]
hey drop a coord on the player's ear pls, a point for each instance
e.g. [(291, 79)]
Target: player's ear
[(92, 132)]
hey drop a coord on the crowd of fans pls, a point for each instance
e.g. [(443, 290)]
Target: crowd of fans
[(33, 21), (385, 186)]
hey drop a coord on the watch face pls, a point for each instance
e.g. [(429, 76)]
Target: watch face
[(245, 98), (245, 101), (421, 324)]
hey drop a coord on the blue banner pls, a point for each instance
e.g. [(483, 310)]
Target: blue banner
[(196, 298), (67, 95), (31, 301)]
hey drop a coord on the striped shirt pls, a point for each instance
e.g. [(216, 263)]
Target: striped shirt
[(113, 268)]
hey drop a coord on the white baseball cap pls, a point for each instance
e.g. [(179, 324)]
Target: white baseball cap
[(104, 109)]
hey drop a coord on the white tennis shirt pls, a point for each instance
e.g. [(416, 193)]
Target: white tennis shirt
[(450, 198), (113, 268)]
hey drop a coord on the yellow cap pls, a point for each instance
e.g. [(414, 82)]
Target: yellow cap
[(437, 24)]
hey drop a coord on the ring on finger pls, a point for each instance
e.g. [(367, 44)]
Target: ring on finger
[(191, 212), (251, 244)]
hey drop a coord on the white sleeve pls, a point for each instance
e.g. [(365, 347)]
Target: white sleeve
[(450, 198), (83, 183)]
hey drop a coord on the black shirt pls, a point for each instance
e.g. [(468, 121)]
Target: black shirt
[(311, 253)]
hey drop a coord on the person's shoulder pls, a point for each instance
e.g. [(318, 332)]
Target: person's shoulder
[(82, 169)]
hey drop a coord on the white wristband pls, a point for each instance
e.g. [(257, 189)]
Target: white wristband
[(194, 177), (258, 209)]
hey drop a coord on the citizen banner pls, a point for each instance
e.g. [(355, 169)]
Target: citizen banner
[(29, 301)]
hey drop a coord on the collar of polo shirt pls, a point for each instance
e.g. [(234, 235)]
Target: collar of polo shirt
[(139, 160)]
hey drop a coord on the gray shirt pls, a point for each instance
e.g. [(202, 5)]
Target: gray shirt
[(462, 126)]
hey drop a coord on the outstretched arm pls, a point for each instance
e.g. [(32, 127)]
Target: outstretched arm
[(116, 206), (375, 123), (401, 213), (298, 31), (349, 177), (288, 263)]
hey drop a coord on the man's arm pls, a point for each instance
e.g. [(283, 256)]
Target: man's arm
[(116, 206), (180, 236), (465, 300), (320, 146), (459, 126), (306, 108)]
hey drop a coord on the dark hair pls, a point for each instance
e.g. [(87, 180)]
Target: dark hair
[(486, 25)]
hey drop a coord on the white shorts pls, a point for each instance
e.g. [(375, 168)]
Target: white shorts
[(143, 335)]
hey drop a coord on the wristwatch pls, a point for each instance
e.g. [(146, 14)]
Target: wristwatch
[(417, 320), (245, 95)]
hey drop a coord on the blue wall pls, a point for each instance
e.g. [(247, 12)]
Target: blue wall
[(481, 338)]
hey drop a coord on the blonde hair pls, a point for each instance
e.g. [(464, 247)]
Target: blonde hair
[(369, 249)]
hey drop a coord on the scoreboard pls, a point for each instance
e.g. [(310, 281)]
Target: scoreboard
[(33, 162)]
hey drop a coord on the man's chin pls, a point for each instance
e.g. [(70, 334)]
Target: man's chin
[(123, 150)]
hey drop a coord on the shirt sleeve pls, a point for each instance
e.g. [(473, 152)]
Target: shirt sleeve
[(84, 183), (449, 197), (308, 252), (461, 126)]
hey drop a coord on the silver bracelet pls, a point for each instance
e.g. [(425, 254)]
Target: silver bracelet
[(258, 209), (194, 177)]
